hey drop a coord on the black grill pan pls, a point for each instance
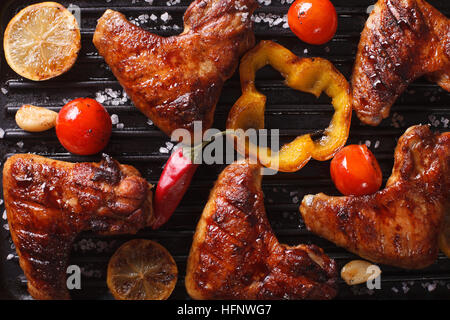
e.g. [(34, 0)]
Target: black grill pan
[(139, 143)]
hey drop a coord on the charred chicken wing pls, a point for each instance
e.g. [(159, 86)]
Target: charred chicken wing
[(177, 80), (402, 41), (235, 254), (49, 202), (399, 225)]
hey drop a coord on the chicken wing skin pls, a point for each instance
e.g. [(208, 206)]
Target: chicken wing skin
[(399, 225), (177, 80), (235, 254), (402, 41), (49, 202)]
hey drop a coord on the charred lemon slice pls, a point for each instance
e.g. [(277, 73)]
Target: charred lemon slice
[(42, 41), (142, 270)]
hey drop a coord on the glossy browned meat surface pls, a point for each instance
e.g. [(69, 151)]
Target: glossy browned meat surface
[(235, 254), (399, 225), (49, 202), (402, 41), (177, 80)]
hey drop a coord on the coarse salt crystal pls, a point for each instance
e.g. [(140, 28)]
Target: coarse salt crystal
[(149, 122), (431, 286), (4, 90), (5, 216), (20, 144), (169, 145), (114, 119), (9, 256), (163, 150), (165, 17), (100, 97), (6, 226), (120, 126), (278, 21), (1, 202), (2, 133), (153, 17)]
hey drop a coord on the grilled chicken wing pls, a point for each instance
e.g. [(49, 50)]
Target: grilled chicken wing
[(399, 225), (49, 202), (402, 41), (177, 80), (235, 254)]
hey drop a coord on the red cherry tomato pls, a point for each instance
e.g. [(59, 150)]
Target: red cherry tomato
[(355, 171), (313, 21), (83, 126)]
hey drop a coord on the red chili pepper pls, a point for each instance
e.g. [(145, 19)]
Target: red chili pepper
[(175, 179), (173, 183)]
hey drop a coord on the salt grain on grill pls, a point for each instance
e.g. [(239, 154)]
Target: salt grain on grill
[(120, 126), (114, 119), (2, 133), (163, 150), (172, 2), (9, 256), (153, 17), (431, 286), (278, 21), (166, 17), (149, 122), (405, 287), (169, 145), (20, 144), (6, 227), (4, 90), (5, 216)]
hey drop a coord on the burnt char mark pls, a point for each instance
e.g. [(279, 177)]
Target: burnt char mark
[(408, 18), (109, 171)]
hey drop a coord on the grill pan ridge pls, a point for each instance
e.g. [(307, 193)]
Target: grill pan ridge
[(137, 142)]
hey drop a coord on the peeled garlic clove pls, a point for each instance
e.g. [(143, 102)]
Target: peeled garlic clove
[(359, 271), (35, 119)]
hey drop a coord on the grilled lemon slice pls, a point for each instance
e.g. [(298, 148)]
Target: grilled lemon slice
[(141, 270), (42, 41)]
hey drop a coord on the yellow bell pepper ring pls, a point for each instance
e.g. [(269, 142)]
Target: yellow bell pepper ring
[(311, 75)]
